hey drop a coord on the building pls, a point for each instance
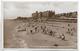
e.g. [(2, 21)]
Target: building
[(43, 14), (35, 14), (70, 14)]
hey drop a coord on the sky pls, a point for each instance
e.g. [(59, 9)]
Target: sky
[(25, 9)]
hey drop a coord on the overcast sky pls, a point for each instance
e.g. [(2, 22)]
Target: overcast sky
[(25, 9)]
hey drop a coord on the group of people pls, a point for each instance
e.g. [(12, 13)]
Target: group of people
[(45, 30), (33, 29)]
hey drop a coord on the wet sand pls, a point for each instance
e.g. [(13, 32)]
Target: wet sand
[(14, 39)]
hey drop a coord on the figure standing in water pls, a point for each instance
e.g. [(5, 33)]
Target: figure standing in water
[(51, 32), (63, 37)]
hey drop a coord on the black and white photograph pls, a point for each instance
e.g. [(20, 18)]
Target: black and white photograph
[(49, 25)]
